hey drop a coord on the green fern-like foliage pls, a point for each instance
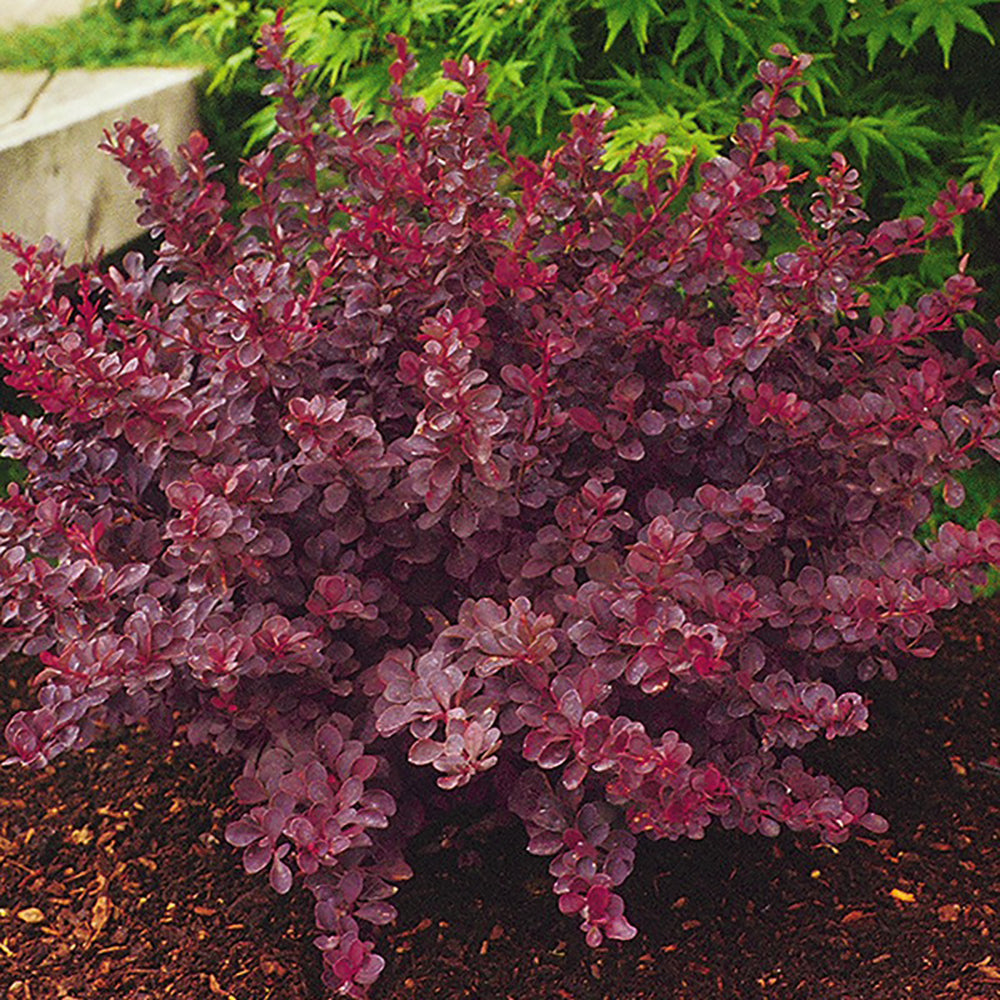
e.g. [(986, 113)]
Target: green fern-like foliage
[(897, 84)]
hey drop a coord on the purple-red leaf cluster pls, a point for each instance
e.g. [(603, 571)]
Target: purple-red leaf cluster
[(542, 477)]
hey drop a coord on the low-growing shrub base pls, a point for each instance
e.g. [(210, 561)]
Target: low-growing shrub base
[(477, 915)]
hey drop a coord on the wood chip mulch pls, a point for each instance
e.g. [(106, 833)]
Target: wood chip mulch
[(116, 883)]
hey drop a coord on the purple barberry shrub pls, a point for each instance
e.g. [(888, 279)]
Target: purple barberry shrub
[(444, 458)]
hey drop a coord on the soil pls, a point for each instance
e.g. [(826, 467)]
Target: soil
[(116, 884)]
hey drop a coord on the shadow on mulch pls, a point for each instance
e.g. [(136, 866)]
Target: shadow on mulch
[(115, 883)]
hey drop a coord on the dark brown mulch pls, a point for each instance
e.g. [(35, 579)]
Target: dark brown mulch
[(115, 883)]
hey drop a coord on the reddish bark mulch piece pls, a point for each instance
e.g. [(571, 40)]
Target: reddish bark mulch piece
[(116, 884)]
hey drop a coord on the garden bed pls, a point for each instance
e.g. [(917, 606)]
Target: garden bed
[(116, 884)]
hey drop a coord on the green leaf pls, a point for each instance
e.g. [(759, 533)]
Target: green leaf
[(260, 126), (509, 72), (944, 28), (895, 130), (875, 42), (723, 14), (682, 132), (926, 15), (984, 164), (715, 43), (426, 10), (860, 141), (971, 21), (819, 81), (635, 13), (616, 17), (227, 72), (943, 16), (989, 180), (836, 12), (686, 36)]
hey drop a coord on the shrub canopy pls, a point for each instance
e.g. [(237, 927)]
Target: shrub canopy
[(590, 490)]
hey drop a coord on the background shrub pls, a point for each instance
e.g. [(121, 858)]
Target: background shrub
[(590, 493)]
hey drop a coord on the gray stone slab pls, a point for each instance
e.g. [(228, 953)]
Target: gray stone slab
[(17, 91), (54, 180), (17, 12), (76, 95)]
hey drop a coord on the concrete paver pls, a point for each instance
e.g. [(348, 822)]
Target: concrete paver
[(15, 12), (53, 178), (17, 92), (74, 94)]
